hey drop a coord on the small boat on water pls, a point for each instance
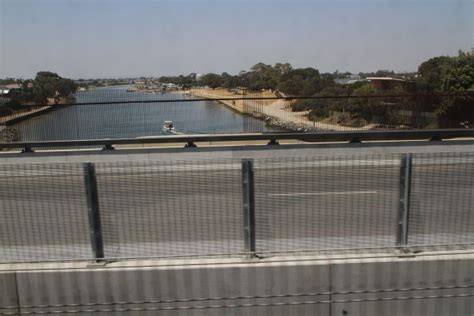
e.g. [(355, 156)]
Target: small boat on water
[(168, 127)]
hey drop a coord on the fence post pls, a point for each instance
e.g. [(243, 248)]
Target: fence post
[(404, 204), (93, 210), (248, 191)]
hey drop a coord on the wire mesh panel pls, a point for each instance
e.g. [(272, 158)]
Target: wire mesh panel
[(442, 199), (170, 208), (116, 113), (130, 112), (43, 213), (326, 202), (184, 208)]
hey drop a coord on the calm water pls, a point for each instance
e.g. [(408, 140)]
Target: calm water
[(134, 119)]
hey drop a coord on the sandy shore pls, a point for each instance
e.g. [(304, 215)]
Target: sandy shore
[(236, 105), (274, 112)]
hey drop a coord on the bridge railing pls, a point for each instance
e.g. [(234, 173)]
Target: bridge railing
[(250, 207), (118, 114)]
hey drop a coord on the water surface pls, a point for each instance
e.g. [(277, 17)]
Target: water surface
[(130, 120)]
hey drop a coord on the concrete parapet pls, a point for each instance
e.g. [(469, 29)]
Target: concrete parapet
[(303, 285)]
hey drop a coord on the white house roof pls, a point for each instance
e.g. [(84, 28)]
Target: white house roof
[(384, 78)]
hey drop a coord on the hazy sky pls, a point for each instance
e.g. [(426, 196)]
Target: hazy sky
[(120, 38)]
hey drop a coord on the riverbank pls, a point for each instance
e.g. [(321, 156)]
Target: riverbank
[(236, 105), (21, 116), (8, 134), (277, 113)]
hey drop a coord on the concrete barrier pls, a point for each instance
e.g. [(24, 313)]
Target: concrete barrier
[(302, 285), (8, 292)]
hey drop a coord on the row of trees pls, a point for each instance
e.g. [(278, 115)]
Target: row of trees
[(35, 92), (45, 85), (436, 75), (281, 77), (439, 75)]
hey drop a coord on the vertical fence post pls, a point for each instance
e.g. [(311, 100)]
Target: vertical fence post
[(404, 204), (248, 191), (93, 210)]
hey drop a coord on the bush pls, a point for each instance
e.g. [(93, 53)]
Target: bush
[(319, 112), (302, 105), (13, 104)]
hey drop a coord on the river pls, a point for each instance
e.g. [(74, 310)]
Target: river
[(130, 120)]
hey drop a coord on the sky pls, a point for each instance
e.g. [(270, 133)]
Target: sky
[(130, 38)]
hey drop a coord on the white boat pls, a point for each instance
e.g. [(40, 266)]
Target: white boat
[(168, 127)]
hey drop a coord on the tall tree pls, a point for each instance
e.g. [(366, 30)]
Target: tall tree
[(45, 85), (49, 84)]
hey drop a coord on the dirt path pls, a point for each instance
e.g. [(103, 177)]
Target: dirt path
[(279, 110), (236, 105), (5, 119)]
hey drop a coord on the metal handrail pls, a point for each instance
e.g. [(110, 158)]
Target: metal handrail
[(249, 97), (272, 138)]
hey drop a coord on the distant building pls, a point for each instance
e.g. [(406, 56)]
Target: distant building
[(386, 83), (6, 89), (170, 85), (349, 80), (13, 86)]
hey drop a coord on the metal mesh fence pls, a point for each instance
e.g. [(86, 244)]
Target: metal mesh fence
[(216, 207), (43, 212), (442, 199), (115, 113), (175, 208), (326, 202)]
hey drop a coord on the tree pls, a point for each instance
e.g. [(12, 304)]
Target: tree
[(431, 72), (7, 81), (450, 74), (66, 87), (211, 80), (229, 81), (283, 69), (262, 76), (459, 76), (303, 81), (49, 84), (45, 85)]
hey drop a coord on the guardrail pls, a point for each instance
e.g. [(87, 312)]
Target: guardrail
[(272, 138), (249, 207)]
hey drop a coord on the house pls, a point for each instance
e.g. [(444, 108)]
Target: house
[(387, 83), (349, 80), (6, 89)]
